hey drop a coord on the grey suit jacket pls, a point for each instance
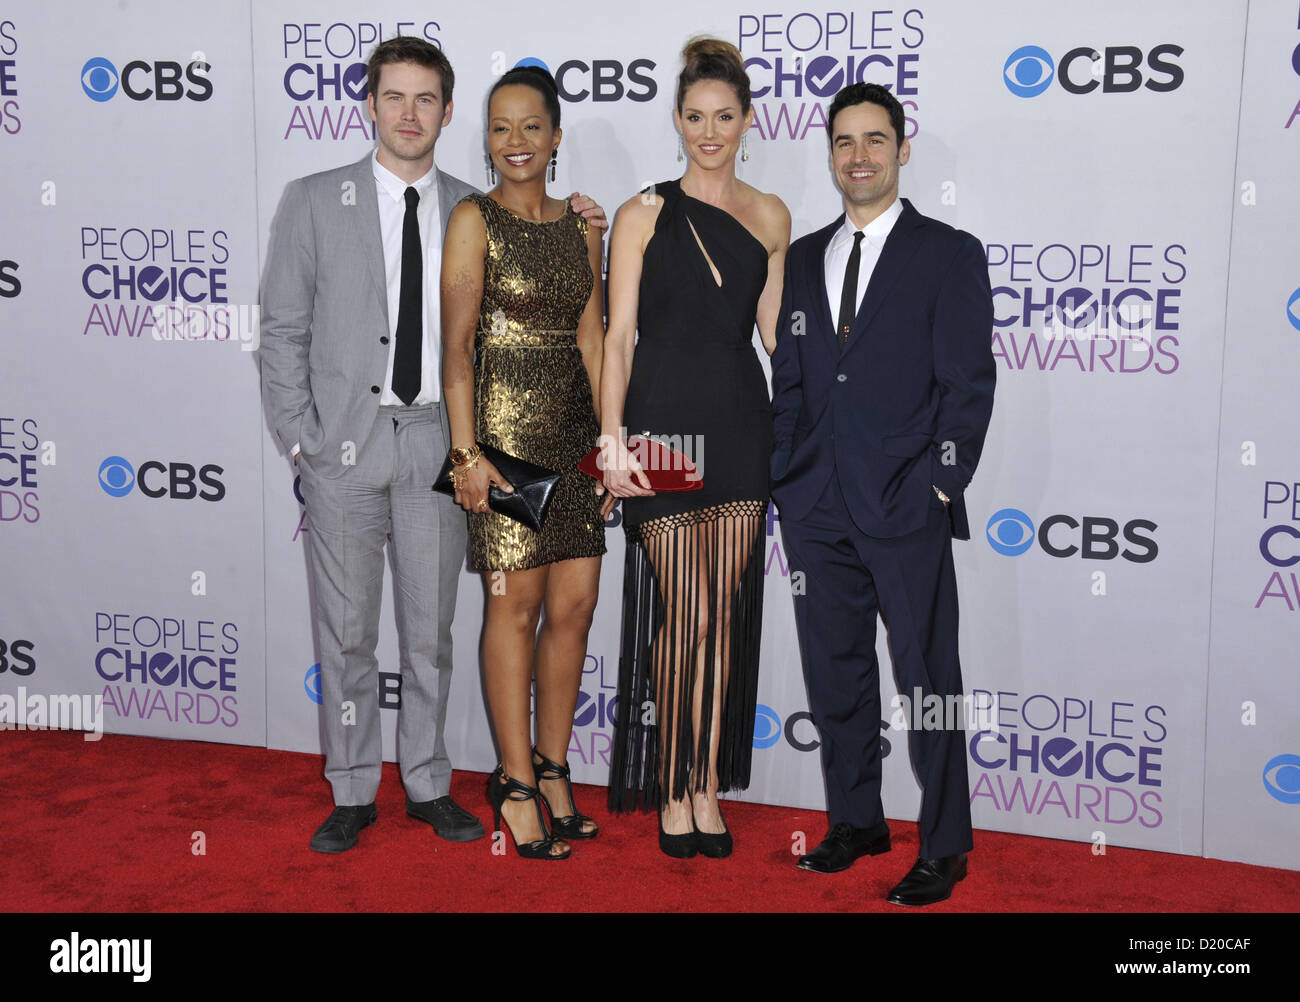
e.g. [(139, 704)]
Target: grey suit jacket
[(325, 309)]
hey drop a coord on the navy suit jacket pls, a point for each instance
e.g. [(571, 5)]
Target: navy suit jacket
[(906, 406)]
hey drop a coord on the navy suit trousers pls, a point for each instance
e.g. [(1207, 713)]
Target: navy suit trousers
[(909, 580)]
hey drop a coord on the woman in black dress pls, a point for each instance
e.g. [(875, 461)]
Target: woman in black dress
[(693, 264)]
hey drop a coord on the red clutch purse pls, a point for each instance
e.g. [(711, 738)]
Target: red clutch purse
[(665, 468)]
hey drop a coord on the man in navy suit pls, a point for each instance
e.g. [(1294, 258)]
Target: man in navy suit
[(882, 391)]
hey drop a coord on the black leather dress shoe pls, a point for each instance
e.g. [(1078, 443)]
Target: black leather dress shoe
[(449, 819), (340, 830), (930, 880), (843, 844)]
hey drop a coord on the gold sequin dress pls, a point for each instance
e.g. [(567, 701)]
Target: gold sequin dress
[(532, 395)]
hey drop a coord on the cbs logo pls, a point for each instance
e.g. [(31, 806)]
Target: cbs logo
[(602, 79), (1029, 70), (140, 80), (1011, 532), (156, 479)]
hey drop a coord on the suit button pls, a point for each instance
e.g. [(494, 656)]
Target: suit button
[(842, 378), (384, 339), (374, 389)]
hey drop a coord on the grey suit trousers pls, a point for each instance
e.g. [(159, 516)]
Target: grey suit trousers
[(348, 519)]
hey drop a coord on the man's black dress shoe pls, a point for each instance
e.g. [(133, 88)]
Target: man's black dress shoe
[(930, 880), (449, 819), (843, 844), (340, 830)]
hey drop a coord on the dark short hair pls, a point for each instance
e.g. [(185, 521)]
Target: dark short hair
[(409, 49), (713, 59), (866, 93), (539, 80)]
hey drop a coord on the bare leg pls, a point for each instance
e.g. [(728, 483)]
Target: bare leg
[(508, 646), (571, 591)]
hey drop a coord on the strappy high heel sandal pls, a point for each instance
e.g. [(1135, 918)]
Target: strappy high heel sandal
[(501, 788), (572, 825)]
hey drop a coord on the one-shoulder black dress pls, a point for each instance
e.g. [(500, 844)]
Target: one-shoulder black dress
[(693, 578)]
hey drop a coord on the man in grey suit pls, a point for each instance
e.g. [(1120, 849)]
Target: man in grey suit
[(350, 350)]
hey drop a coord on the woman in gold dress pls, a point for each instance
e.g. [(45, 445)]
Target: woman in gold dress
[(522, 325)]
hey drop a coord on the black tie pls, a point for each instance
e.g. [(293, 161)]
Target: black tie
[(410, 322), (849, 297)]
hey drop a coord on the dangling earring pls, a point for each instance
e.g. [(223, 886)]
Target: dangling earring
[(552, 175), (681, 150), (491, 169), (744, 147)]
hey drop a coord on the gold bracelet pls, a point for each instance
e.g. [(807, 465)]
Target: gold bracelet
[(465, 457)]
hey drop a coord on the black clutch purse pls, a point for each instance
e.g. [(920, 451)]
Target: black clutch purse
[(534, 487)]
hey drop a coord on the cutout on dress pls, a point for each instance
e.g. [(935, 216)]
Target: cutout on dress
[(717, 277)]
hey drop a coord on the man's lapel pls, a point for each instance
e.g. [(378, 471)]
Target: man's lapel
[(365, 217), (902, 242)]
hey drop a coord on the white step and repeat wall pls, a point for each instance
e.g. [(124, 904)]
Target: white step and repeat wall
[(1131, 599)]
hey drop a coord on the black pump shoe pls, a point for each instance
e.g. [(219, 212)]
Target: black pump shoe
[(714, 846), (682, 846)]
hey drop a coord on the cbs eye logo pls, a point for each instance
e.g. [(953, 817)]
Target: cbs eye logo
[(311, 684), (1029, 71), (99, 79), (1284, 785), (1292, 307), (116, 476), (1010, 532), (767, 727)]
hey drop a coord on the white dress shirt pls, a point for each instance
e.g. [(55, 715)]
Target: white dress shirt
[(841, 245), (391, 191)]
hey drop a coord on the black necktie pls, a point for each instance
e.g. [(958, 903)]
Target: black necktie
[(849, 297), (410, 321)]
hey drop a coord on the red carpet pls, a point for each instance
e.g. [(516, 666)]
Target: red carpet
[(108, 826)]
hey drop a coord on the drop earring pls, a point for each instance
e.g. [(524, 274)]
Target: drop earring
[(552, 174), (744, 148), (681, 150), (491, 169)]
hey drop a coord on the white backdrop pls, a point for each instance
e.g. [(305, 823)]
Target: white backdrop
[(1123, 166)]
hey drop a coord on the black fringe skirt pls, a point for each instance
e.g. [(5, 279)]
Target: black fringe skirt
[(688, 664)]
